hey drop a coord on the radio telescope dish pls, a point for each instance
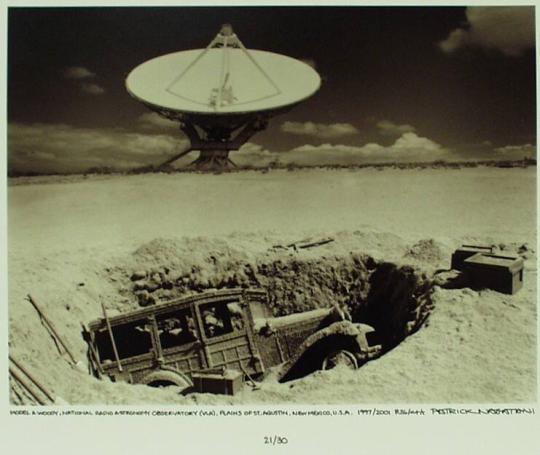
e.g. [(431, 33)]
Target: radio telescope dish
[(226, 80), (221, 95)]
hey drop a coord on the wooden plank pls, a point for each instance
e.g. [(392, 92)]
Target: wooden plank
[(38, 384), (93, 353), (52, 328), (111, 337), (317, 243), (22, 381)]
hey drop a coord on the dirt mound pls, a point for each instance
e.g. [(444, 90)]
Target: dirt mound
[(429, 251), (392, 298)]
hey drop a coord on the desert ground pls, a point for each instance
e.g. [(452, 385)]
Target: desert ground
[(74, 242)]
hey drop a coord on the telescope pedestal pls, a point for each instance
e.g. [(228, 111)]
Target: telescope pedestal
[(215, 137), (213, 160)]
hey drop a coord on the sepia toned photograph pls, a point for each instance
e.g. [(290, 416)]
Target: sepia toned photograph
[(271, 205)]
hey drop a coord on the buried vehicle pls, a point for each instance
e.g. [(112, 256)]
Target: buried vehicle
[(175, 342)]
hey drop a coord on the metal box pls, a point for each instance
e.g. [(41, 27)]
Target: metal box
[(466, 251), (228, 382), (500, 273)]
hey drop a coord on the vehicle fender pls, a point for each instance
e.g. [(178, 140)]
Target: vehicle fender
[(363, 330), (346, 328), (168, 375), (354, 331)]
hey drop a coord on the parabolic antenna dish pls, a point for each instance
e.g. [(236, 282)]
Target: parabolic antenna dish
[(221, 95), (222, 80)]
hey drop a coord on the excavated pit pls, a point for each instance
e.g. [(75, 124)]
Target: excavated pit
[(394, 299)]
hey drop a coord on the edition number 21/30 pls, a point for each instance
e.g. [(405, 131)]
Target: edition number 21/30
[(275, 440)]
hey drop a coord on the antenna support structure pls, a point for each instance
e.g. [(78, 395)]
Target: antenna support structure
[(216, 136), (220, 95)]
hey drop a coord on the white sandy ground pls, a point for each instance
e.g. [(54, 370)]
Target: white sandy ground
[(478, 347)]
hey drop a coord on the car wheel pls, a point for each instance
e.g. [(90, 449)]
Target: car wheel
[(340, 358), (168, 378)]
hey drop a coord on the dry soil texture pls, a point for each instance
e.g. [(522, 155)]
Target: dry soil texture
[(74, 242)]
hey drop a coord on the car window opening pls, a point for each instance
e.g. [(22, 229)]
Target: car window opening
[(131, 340), (222, 319), (176, 329)]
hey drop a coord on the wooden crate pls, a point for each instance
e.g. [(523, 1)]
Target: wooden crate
[(228, 382), (494, 271), (465, 252)]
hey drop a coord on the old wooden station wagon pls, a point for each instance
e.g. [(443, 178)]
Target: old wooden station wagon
[(170, 343)]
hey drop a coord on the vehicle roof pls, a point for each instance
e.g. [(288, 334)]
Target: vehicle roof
[(182, 302)]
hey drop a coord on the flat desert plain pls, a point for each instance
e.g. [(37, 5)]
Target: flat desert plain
[(73, 242)]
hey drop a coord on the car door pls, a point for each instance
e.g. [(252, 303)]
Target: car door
[(179, 340), (227, 334)]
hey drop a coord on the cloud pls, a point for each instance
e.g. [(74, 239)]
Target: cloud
[(50, 148), (410, 142), (92, 89), (407, 148), (77, 72), (516, 152), (388, 128), (508, 29), (251, 154), (320, 130), (63, 148), (152, 120)]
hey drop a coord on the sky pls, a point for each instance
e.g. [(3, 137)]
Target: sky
[(398, 84)]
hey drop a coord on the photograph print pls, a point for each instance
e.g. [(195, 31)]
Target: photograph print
[(270, 205)]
